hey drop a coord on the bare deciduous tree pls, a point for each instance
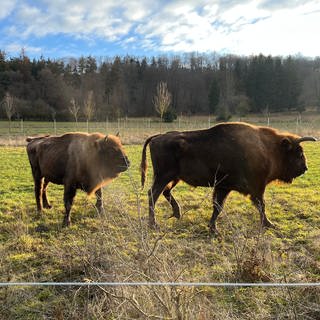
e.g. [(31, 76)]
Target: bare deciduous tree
[(74, 109), (88, 107), (9, 107), (162, 99)]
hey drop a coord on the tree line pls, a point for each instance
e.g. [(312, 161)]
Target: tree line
[(88, 88)]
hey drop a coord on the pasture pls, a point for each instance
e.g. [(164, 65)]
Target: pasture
[(118, 246)]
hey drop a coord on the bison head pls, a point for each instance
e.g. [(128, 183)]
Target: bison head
[(294, 160), (112, 154)]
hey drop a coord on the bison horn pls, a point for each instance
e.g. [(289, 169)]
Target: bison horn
[(118, 134), (306, 139), (106, 138)]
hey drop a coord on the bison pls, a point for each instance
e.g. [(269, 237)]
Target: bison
[(76, 161), (229, 156)]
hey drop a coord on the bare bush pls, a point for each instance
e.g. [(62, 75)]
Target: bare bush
[(8, 104), (162, 99), (74, 109), (89, 107)]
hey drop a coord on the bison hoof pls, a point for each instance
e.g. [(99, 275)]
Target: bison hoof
[(47, 206), (66, 223), (175, 215), (268, 225), (38, 214), (213, 232), (100, 210), (154, 226), (41, 228)]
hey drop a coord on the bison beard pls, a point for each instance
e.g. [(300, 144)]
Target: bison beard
[(227, 157), (77, 161)]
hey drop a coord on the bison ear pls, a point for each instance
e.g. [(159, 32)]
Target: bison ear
[(286, 144)]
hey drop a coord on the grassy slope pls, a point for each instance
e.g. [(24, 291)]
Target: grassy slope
[(118, 246)]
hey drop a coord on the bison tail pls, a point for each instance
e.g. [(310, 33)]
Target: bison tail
[(143, 165)]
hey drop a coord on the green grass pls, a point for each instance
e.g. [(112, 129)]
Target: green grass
[(118, 246)]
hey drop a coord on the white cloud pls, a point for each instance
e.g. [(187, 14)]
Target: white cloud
[(15, 48), (100, 18), (235, 26), (285, 32), (276, 4), (243, 14), (6, 8), (242, 29)]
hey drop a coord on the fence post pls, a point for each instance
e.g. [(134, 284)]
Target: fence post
[(54, 126), (298, 123), (21, 126)]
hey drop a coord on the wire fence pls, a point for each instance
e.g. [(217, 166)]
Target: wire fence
[(291, 122), (157, 284), (135, 130)]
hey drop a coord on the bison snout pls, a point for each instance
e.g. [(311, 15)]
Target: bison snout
[(127, 161), (302, 170), (125, 165)]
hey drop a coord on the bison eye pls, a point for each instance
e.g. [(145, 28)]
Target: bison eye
[(114, 152)]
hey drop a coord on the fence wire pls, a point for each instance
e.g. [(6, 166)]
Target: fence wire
[(158, 284)]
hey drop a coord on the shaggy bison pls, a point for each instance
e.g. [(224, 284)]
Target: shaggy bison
[(76, 161), (226, 157)]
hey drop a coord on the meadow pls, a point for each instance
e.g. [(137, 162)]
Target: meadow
[(118, 246)]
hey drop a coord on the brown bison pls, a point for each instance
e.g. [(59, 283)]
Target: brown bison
[(76, 161), (226, 157)]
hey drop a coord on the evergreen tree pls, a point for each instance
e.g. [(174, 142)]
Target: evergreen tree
[(214, 95)]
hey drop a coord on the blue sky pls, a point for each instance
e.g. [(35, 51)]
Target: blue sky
[(74, 28)]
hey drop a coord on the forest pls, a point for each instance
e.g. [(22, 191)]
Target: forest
[(59, 89)]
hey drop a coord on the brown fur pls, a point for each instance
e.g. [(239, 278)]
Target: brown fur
[(77, 161), (228, 156)]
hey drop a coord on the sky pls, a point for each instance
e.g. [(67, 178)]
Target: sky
[(106, 28)]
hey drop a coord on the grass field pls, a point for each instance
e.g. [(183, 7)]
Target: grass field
[(118, 246)]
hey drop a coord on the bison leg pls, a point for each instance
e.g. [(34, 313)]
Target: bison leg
[(258, 202), (219, 197), (69, 194), (45, 201), (153, 194), (99, 203), (38, 191), (37, 178), (174, 204)]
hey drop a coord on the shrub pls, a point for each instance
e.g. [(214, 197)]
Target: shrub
[(169, 116)]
